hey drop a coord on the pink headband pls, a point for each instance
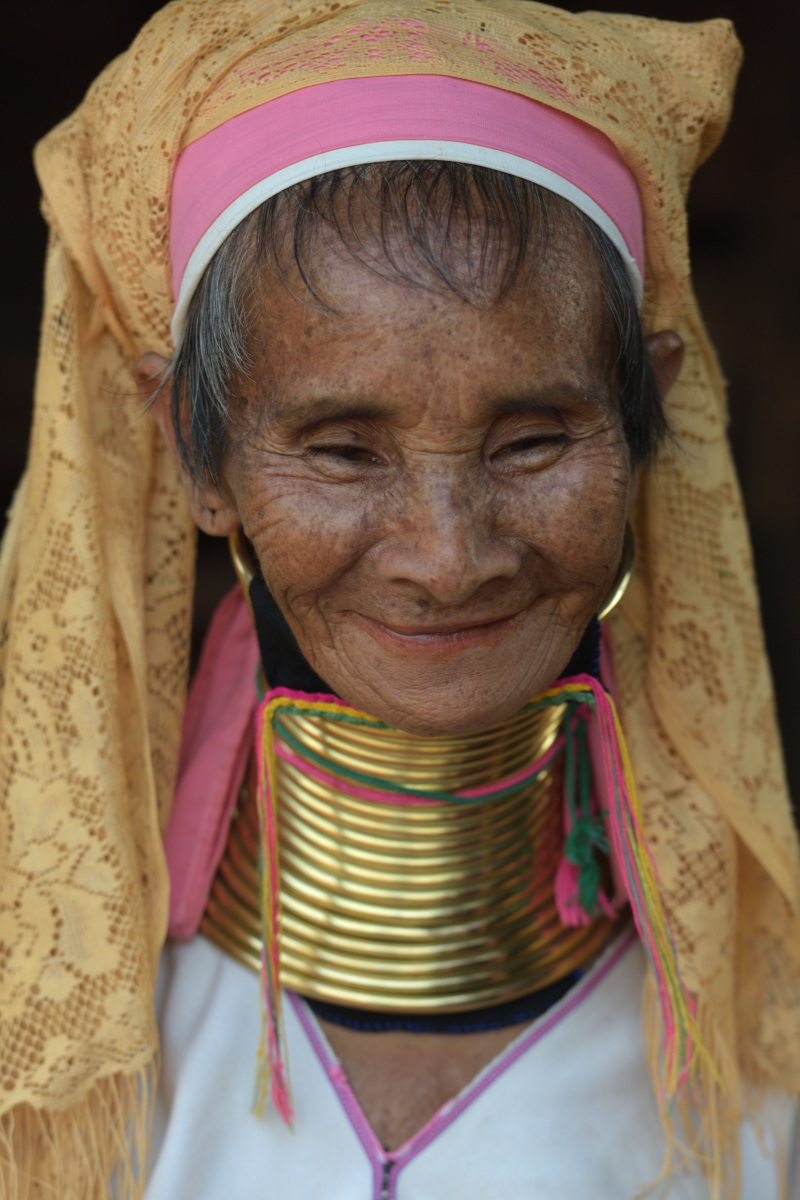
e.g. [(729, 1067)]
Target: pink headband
[(226, 174)]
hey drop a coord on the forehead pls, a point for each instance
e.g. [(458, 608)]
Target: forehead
[(433, 224), (363, 318)]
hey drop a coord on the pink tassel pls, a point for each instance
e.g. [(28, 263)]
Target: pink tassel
[(570, 912)]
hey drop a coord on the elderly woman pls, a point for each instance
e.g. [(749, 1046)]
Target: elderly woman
[(406, 291)]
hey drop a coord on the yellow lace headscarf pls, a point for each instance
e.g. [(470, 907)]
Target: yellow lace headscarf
[(96, 572)]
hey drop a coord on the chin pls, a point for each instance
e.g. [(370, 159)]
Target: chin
[(458, 692), (448, 711)]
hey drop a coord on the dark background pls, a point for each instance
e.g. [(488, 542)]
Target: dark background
[(745, 244)]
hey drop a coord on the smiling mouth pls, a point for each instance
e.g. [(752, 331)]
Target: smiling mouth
[(440, 637)]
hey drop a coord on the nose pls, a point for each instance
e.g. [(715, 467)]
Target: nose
[(444, 540)]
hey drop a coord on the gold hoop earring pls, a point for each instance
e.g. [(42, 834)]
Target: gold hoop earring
[(623, 577), (244, 563)]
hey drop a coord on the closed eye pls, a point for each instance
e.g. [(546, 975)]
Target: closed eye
[(535, 442), (347, 453)]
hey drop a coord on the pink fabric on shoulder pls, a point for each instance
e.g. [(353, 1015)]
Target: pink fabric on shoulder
[(218, 735)]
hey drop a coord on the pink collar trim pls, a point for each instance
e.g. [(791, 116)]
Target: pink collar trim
[(387, 1164)]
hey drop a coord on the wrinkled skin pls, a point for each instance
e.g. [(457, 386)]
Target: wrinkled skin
[(436, 490)]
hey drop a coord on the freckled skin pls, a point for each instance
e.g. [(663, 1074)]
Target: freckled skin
[(437, 504), (411, 460)]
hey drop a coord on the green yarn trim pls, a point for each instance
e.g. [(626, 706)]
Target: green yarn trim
[(397, 788), (586, 835)]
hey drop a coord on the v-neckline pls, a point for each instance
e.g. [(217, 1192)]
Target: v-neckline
[(387, 1164)]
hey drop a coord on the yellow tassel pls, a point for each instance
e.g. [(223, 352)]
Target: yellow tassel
[(95, 1149), (701, 1125)]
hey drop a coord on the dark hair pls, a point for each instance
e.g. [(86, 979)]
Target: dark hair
[(503, 219)]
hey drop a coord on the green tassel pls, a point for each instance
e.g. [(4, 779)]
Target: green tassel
[(587, 835)]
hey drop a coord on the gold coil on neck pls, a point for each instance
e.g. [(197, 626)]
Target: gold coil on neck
[(402, 907), (408, 907)]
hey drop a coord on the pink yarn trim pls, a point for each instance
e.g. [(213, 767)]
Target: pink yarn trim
[(271, 1076), (373, 794), (221, 166)]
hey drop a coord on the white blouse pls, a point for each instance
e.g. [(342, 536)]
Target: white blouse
[(565, 1112)]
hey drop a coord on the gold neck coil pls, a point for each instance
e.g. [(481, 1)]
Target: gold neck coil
[(408, 907)]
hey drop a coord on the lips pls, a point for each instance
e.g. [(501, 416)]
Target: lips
[(439, 637)]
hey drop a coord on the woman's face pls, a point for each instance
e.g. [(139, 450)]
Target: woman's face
[(436, 490)]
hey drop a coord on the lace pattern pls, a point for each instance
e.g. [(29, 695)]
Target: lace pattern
[(97, 565)]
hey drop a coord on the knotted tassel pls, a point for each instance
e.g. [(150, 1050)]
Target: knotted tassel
[(578, 892)]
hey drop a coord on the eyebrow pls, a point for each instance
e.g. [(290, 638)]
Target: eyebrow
[(334, 409), (548, 401)]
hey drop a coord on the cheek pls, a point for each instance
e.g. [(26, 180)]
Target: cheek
[(574, 514), (305, 535)]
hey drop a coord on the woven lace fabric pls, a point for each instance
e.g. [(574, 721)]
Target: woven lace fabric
[(96, 572)]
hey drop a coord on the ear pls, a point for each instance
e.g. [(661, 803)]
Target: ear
[(211, 511), (665, 351)]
